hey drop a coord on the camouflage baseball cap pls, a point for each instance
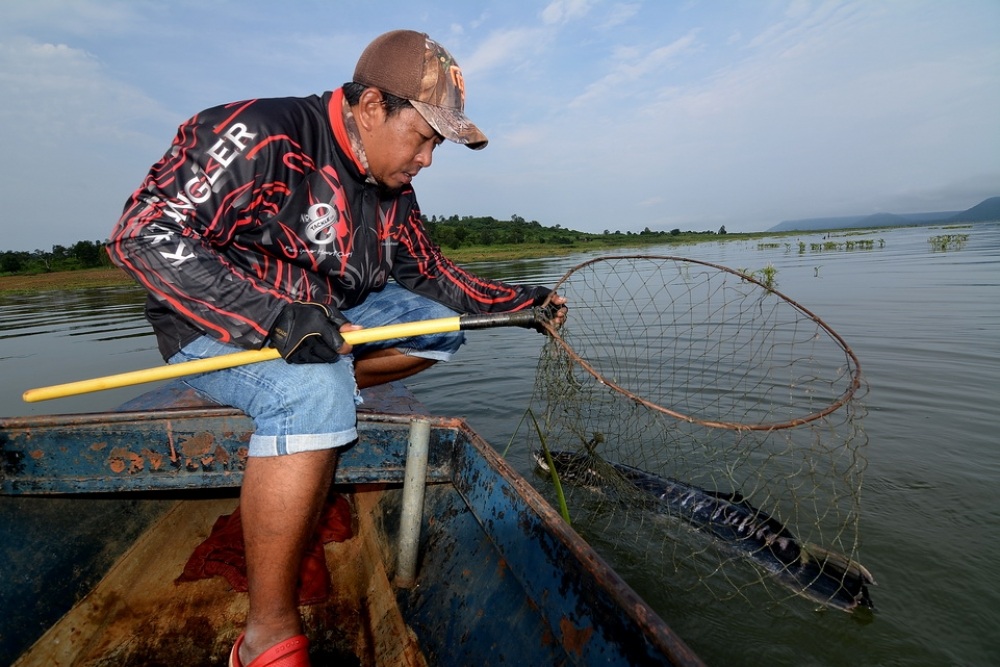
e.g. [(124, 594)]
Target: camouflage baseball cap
[(413, 66)]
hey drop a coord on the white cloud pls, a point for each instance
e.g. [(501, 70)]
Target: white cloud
[(561, 11), (77, 18), (77, 134), (507, 49), (53, 93), (620, 13), (633, 66)]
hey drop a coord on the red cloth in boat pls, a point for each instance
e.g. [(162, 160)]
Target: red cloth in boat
[(223, 554)]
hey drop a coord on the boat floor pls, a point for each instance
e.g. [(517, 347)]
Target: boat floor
[(138, 615)]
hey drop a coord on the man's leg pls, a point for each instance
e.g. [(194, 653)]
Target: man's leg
[(281, 500), (302, 413), (381, 366), (388, 361)]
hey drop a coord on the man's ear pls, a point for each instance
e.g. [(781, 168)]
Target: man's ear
[(370, 110)]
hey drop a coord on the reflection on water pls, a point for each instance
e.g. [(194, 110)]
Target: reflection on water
[(923, 324), (54, 337)]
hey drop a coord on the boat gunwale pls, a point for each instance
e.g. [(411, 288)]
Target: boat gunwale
[(207, 412)]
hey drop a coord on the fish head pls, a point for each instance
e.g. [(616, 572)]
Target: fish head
[(571, 467)]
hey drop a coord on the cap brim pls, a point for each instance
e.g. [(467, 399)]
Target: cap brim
[(452, 124)]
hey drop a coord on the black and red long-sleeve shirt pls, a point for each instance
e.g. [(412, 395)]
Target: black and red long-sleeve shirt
[(263, 202)]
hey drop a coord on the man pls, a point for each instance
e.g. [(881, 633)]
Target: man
[(281, 222)]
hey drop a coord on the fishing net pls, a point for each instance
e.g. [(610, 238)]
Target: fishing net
[(699, 417)]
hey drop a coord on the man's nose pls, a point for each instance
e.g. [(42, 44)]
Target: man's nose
[(425, 157)]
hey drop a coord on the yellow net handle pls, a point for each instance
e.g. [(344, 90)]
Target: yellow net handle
[(526, 318)]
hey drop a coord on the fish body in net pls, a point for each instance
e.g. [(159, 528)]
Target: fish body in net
[(811, 571)]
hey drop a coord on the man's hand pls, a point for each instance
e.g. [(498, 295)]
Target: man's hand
[(555, 307), (558, 304), (309, 333)]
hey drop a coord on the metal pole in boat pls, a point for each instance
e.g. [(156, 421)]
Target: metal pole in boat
[(414, 481)]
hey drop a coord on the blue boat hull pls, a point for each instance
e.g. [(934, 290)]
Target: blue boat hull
[(501, 579)]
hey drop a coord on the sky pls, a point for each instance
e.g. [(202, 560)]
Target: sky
[(601, 115)]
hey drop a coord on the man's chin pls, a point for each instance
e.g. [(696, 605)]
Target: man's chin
[(387, 191)]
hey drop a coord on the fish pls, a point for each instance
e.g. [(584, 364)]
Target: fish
[(818, 574)]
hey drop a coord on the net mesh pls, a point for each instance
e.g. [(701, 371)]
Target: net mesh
[(698, 416)]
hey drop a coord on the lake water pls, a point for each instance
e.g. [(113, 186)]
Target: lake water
[(925, 325)]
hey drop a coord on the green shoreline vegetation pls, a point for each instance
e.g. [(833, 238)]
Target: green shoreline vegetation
[(465, 240)]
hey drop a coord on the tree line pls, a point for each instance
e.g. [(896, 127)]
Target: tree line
[(457, 232), (80, 255), (448, 232)]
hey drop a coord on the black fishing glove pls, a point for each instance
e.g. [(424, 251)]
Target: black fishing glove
[(541, 294), (308, 333)]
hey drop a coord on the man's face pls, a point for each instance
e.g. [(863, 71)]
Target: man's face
[(399, 146)]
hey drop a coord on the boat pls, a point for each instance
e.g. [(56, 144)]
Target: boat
[(99, 513)]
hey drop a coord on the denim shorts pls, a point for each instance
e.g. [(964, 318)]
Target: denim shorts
[(309, 407)]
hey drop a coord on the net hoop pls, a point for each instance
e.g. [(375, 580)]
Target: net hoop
[(854, 384)]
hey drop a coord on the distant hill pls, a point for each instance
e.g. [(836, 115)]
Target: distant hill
[(985, 211)]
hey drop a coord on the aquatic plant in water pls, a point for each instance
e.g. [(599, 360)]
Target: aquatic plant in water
[(947, 242)]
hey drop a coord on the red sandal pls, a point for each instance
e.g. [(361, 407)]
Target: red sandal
[(291, 652)]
